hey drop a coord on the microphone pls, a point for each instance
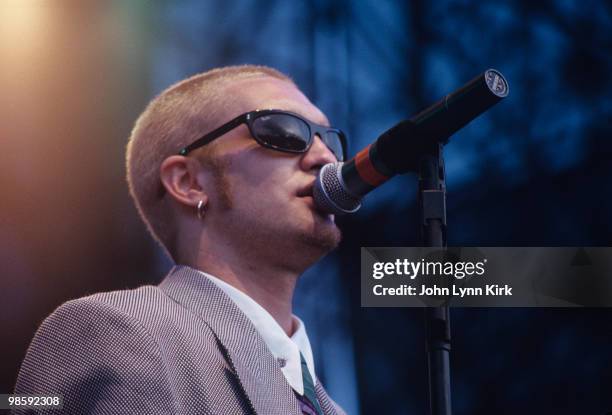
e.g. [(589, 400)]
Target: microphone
[(339, 187)]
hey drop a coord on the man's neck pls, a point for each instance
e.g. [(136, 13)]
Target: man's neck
[(269, 285)]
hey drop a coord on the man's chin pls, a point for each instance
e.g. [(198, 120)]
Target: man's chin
[(324, 235)]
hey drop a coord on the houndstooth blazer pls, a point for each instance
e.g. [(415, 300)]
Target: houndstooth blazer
[(182, 347)]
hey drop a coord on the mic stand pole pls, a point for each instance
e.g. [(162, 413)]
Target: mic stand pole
[(432, 203)]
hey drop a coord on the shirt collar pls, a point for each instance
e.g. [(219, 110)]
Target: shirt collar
[(285, 349)]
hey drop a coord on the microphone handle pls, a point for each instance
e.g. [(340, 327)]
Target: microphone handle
[(444, 118), (399, 149)]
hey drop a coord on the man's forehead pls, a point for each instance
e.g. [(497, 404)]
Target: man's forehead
[(266, 92)]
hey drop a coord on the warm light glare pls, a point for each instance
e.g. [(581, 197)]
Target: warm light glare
[(22, 26)]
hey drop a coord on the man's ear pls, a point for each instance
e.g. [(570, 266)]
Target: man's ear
[(179, 176)]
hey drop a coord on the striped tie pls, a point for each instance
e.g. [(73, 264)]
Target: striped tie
[(309, 390)]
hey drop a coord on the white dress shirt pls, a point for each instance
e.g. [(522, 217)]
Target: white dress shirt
[(285, 349)]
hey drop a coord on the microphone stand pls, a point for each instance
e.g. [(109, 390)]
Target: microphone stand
[(432, 204)]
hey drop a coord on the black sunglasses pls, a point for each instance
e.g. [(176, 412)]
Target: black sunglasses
[(279, 130)]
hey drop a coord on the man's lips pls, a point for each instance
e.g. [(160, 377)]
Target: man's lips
[(306, 193), (306, 190)]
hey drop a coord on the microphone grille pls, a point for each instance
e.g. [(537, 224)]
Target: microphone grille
[(330, 194)]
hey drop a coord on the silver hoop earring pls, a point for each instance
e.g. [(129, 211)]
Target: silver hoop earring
[(201, 209)]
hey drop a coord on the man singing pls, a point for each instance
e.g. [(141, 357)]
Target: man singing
[(221, 167)]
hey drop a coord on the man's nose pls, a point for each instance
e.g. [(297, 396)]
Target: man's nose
[(317, 155)]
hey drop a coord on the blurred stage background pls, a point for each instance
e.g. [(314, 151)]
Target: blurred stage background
[(534, 171)]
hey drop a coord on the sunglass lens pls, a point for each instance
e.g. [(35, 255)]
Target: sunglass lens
[(282, 131)]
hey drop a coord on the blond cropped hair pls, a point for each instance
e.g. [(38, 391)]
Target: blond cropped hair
[(178, 116)]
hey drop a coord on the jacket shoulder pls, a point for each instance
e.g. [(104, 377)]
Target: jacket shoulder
[(99, 356)]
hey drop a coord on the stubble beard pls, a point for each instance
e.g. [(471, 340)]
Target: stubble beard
[(312, 243), (323, 236), (303, 240), (287, 240)]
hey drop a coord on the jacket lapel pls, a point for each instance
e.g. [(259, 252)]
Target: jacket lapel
[(327, 405), (257, 369)]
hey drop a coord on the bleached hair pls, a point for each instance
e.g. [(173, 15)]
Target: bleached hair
[(176, 117)]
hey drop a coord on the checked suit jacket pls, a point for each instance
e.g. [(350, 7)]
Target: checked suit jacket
[(182, 347)]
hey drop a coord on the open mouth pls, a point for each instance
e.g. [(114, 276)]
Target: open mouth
[(306, 191), (309, 200), (306, 194)]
